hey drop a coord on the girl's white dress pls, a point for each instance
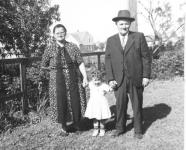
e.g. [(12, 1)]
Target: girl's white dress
[(98, 107)]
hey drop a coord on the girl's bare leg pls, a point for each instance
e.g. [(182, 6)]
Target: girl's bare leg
[(96, 125), (102, 128)]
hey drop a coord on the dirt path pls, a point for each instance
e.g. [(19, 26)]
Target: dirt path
[(163, 127)]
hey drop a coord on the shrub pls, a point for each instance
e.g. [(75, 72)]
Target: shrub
[(35, 96), (169, 65), (9, 85), (11, 110)]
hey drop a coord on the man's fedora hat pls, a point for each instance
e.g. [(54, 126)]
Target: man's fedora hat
[(123, 14)]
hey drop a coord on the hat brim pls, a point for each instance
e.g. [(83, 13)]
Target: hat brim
[(122, 18)]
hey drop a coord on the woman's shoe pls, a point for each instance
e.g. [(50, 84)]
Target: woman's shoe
[(60, 132), (95, 132), (63, 132)]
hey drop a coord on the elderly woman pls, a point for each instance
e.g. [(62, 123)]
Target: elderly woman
[(67, 79)]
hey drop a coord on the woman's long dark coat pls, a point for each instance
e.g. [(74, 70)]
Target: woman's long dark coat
[(65, 84)]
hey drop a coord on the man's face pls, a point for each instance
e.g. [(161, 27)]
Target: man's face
[(59, 34), (123, 26)]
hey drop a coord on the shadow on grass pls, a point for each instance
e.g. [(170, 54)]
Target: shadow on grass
[(110, 123), (86, 124), (150, 115)]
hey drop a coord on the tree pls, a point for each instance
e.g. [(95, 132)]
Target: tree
[(24, 25), (158, 14), (159, 17), (100, 46), (180, 35)]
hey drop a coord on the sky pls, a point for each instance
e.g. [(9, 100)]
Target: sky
[(95, 16)]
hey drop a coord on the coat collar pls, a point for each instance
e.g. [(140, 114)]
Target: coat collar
[(129, 43), (118, 43)]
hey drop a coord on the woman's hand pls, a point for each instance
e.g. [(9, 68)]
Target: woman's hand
[(83, 72), (85, 82)]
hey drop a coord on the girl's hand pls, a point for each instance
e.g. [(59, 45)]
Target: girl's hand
[(110, 89)]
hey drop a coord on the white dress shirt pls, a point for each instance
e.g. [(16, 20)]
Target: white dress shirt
[(123, 40)]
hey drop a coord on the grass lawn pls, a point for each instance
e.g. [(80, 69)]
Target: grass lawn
[(163, 126)]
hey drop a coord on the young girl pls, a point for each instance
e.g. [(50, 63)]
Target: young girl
[(97, 107)]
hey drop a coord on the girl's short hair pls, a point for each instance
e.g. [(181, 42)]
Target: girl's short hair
[(59, 26), (96, 74)]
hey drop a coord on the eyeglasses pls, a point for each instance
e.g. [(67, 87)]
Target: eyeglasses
[(60, 33)]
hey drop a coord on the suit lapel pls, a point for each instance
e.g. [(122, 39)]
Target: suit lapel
[(118, 43), (129, 43)]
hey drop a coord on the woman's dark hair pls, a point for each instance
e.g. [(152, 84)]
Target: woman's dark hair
[(59, 26)]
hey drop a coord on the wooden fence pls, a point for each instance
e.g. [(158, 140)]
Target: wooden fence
[(23, 62)]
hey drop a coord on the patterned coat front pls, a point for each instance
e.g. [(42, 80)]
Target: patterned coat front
[(65, 77)]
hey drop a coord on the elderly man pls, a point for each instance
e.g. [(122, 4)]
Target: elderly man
[(128, 68)]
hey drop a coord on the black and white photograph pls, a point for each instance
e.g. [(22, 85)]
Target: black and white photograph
[(92, 74)]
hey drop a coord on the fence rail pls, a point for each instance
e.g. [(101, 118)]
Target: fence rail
[(23, 62)]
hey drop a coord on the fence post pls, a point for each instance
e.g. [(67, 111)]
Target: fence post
[(22, 67), (99, 62)]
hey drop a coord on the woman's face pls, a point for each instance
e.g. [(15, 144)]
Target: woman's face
[(59, 34)]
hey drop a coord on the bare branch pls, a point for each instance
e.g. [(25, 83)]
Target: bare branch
[(144, 16), (145, 8)]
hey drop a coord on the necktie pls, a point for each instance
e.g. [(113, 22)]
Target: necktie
[(123, 42)]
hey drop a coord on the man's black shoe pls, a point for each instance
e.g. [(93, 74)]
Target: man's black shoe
[(117, 133), (138, 135)]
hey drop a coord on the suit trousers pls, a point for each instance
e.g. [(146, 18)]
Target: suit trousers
[(136, 97)]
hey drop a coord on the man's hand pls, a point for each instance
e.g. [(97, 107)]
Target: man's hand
[(113, 84), (145, 82)]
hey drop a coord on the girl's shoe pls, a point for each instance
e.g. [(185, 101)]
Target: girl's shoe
[(95, 132), (101, 132)]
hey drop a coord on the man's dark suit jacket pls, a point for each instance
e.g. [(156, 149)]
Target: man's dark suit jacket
[(136, 57)]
